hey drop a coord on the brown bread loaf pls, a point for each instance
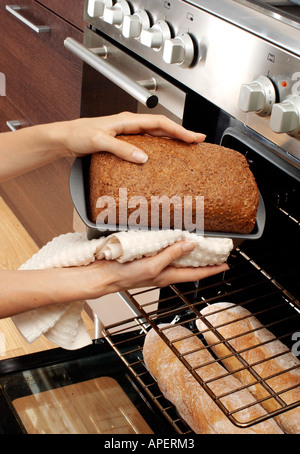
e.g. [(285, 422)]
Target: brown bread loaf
[(256, 344), (192, 402), (221, 175)]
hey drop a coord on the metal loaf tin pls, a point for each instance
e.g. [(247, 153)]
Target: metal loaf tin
[(79, 191)]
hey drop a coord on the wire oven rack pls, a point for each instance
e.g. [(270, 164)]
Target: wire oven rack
[(251, 287)]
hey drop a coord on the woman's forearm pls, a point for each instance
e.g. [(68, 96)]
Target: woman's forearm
[(27, 149), (23, 290)]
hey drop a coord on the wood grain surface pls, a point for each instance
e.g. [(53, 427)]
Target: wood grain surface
[(70, 10), (41, 201), (97, 406), (43, 78), (16, 246)]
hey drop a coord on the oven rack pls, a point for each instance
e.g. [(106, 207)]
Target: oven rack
[(266, 299)]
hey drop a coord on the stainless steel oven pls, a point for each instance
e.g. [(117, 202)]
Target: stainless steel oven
[(230, 69), (193, 59)]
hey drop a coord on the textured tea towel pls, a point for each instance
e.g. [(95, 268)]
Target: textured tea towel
[(62, 323)]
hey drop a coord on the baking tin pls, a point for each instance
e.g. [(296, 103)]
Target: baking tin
[(80, 195)]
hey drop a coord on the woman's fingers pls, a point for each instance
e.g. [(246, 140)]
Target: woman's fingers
[(105, 139), (164, 258), (120, 148), (89, 135), (164, 274), (176, 275), (157, 125), (159, 267)]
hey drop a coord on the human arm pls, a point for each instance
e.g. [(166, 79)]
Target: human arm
[(35, 146), (21, 291)]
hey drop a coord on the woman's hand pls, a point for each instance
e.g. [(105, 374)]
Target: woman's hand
[(21, 291), (35, 146), (88, 135), (111, 276)]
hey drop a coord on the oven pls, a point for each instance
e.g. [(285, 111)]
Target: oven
[(231, 70)]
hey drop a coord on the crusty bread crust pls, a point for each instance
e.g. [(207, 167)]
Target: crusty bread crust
[(192, 402), (256, 344)]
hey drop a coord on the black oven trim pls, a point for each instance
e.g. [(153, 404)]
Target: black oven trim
[(264, 148), (48, 358)]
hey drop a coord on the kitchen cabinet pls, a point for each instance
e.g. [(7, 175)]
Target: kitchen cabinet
[(43, 84), (9, 114), (69, 10)]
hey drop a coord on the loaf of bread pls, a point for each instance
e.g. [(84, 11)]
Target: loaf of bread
[(192, 402), (256, 344), (176, 169)]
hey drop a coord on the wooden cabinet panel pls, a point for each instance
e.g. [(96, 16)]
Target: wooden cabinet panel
[(9, 112), (43, 84), (70, 10), (41, 201), (43, 79)]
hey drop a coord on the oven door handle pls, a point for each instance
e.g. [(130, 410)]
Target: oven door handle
[(133, 88)]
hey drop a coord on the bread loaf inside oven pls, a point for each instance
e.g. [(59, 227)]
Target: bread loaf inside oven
[(176, 170), (192, 402), (270, 359)]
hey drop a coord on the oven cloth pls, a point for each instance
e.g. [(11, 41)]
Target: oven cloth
[(62, 323)]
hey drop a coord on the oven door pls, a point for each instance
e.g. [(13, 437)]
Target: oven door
[(89, 391)]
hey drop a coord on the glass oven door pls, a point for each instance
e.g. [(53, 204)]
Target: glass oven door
[(88, 391)]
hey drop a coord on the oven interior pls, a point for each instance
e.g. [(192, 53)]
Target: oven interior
[(263, 278)]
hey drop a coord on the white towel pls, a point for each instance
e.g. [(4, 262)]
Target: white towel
[(62, 323)]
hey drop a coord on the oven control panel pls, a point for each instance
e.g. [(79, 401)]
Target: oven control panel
[(247, 76), (138, 24), (271, 98), (286, 116), (258, 96)]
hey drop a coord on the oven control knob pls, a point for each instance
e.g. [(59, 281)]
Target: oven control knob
[(114, 15), (285, 116), (134, 24), (179, 50), (96, 7), (155, 36), (258, 96)]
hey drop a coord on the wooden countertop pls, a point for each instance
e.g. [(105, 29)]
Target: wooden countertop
[(16, 246)]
